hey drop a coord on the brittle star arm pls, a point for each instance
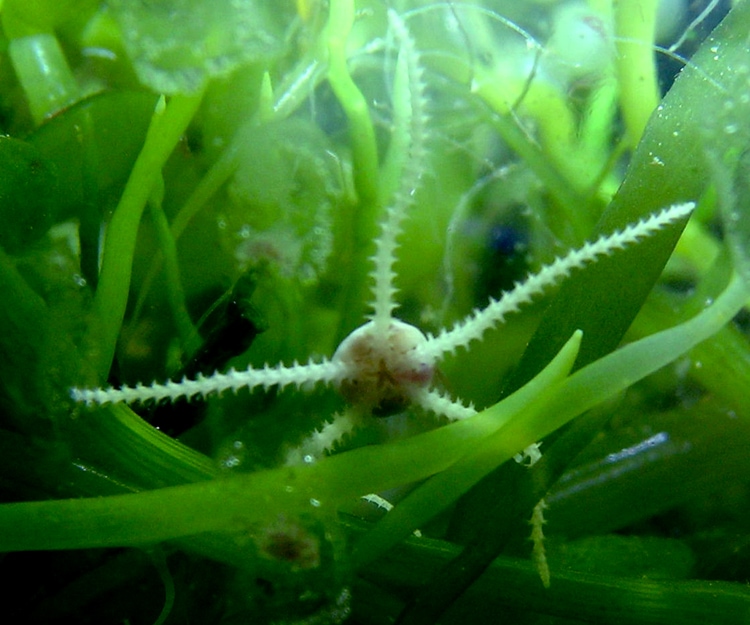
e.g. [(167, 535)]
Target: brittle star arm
[(441, 404), (325, 372), (322, 440), (478, 322), (407, 145)]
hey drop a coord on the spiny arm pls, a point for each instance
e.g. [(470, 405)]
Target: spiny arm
[(442, 405), (327, 372), (407, 154), (476, 324)]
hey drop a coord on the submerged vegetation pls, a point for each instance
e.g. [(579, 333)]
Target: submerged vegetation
[(196, 196)]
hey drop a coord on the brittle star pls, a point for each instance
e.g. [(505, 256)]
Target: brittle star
[(386, 365)]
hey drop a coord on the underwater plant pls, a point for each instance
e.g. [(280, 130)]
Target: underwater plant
[(194, 191)]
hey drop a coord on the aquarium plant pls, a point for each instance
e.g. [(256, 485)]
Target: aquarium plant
[(375, 311)]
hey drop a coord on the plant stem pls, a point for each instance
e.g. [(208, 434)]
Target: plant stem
[(44, 74), (167, 126), (635, 25), (361, 131), (188, 333)]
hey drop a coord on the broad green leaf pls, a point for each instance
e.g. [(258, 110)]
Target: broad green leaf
[(668, 167)]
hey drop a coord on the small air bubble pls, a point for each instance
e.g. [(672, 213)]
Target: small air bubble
[(731, 129), (232, 462), (79, 279), (315, 503)]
